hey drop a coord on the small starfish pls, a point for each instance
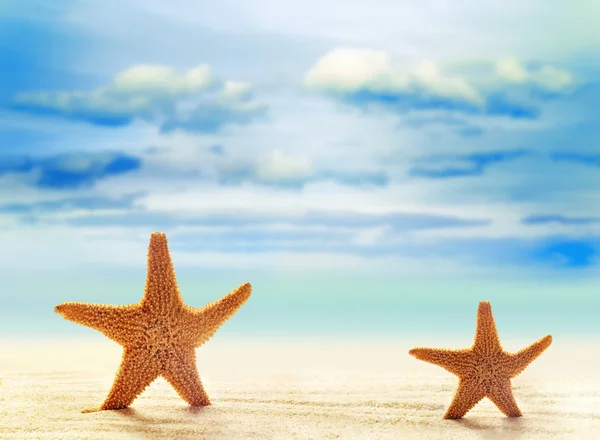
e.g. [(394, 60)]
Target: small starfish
[(159, 334), (485, 369)]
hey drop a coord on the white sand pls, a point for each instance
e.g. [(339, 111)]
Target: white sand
[(292, 389)]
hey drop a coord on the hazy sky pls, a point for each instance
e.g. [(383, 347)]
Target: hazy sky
[(382, 164)]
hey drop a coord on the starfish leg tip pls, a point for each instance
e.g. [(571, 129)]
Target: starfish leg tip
[(486, 305), (451, 417), (245, 290), (201, 404), (59, 309), (416, 352)]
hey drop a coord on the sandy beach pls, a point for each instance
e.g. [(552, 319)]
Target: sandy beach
[(292, 389)]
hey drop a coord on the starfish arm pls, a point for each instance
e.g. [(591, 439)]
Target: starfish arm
[(486, 335), (502, 396), (138, 369), (116, 322), (182, 374), (161, 293), (466, 397), (520, 360), (455, 361), (202, 324)]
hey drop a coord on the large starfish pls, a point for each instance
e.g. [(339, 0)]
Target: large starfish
[(159, 334), (485, 369)]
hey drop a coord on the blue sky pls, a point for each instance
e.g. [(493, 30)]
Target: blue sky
[(357, 165)]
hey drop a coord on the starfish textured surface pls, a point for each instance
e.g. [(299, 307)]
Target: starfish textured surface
[(159, 335), (485, 369)]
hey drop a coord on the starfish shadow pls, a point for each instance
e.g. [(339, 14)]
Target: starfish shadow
[(155, 427), (511, 428)]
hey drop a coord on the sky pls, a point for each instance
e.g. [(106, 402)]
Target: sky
[(373, 169)]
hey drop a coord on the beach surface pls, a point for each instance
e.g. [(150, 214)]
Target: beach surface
[(293, 389)]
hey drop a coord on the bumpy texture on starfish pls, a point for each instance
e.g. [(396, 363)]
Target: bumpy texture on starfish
[(485, 369), (159, 334)]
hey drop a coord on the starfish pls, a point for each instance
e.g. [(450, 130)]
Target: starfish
[(485, 369), (159, 334)]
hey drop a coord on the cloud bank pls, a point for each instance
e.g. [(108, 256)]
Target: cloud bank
[(195, 101), (363, 78)]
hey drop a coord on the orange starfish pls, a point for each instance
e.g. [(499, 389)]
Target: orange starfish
[(485, 369), (159, 334)]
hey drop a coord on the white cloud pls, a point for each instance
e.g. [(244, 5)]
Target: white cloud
[(371, 78), (236, 90), (195, 101), (160, 80), (547, 77), (428, 75), (278, 166), (509, 69), (349, 70), (553, 79), (354, 70)]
